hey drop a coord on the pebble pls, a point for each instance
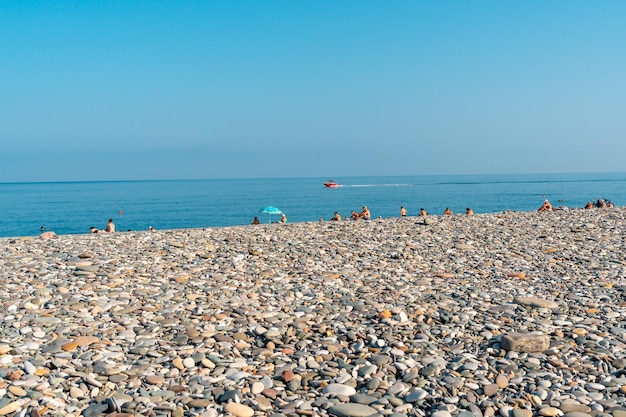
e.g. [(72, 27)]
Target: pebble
[(339, 389), (525, 342), (508, 314), (239, 410), (351, 410)]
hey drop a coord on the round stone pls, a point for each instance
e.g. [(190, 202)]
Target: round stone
[(339, 389), (549, 411), (239, 410)]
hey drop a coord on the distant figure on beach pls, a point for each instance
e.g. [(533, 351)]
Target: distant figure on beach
[(365, 214), (546, 206), (589, 205), (336, 217), (609, 204), (93, 229), (150, 229), (447, 212), (110, 227), (283, 218), (48, 235), (402, 211), (256, 220), (321, 220), (423, 212), (469, 211), (601, 203), (355, 216)]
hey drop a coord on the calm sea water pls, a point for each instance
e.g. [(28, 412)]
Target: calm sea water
[(72, 207)]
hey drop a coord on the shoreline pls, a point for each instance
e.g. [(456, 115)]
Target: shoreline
[(418, 218), (511, 314)]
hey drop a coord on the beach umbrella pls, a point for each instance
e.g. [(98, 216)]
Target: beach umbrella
[(270, 210)]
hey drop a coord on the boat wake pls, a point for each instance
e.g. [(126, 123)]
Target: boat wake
[(378, 185)]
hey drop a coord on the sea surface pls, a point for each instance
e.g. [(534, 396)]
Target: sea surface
[(73, 207)]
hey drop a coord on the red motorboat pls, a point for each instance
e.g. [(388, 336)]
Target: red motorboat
[(331, 184)]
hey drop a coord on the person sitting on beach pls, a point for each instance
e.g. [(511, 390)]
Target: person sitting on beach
[(589, 205), (609, 204), (402, 211), (601, 203), (92, 229), (546, 206), (365, 214), (336, 217), (110, 227), (469, 211), (283, 218), (447, 212), (423, 212), (256, 220), (355, 215)]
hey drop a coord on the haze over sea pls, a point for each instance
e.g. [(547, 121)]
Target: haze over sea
[(72, 207)]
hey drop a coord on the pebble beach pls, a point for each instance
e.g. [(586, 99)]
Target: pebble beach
[(507, 314)]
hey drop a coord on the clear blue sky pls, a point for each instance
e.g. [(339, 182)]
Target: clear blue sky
[(110, 90)]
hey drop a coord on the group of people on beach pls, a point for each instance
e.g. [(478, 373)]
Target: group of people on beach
[(110, 228), (283, 219), (600, 203), (364, 214), (446, 212)]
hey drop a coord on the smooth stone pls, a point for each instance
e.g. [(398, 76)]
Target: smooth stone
[(415, 395), (363, 399), (257, 388), (502, 381), (155, 379), (352, 410), (239, 410), (521, 412), (490, 389), (505, 411), (549, 411), (339, 389), (574, 408)]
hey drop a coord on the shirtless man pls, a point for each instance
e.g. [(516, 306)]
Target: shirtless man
[(336, 217), (447, 212), (110, 227), (469, 211), (402, 211), (423, 212), (365, 214)]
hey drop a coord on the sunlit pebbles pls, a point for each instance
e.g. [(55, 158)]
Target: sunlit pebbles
[(385, 317)]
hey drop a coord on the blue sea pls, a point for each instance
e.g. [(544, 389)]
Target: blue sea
[(73, 207)]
